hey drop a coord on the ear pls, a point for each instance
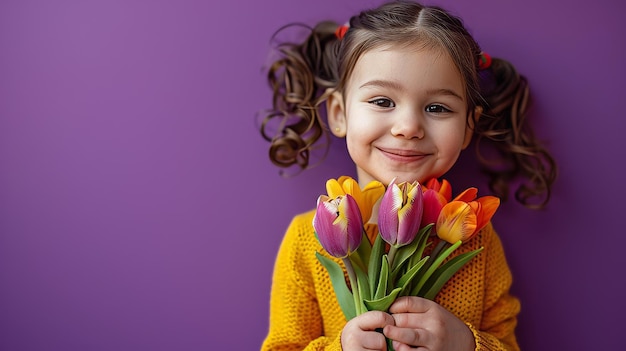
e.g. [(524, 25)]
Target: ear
[(471, 122), (336, 113)]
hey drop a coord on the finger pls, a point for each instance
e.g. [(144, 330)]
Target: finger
[(407, 336), (360, 332), (374, 341), (398, 346), (365, 340), (411, 304), (373, 320), (411, 320)]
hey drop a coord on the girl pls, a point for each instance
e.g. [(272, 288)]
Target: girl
[(407, 87)]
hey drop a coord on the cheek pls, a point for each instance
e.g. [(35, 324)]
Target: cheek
[(354, 142), (451, 142), (360, 128)]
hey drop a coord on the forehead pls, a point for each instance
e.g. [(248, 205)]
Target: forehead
[(412, 66)]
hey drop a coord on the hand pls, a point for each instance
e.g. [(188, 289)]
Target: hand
[(426, 325), (360, 332)]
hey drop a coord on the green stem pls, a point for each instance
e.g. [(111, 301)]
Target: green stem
[(390, 256), (354, 285), (434, 254), (438, 248)]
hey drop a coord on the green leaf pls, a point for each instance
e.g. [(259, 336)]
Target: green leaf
[(422, 236), (405, 281), (445, 272), (373, 270), (383, 279), (383, 303), (416, 258), (435, 264), (402, 255), (338, 280)]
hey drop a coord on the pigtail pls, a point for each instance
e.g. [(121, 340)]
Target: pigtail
[(518, 151), (299, 79)]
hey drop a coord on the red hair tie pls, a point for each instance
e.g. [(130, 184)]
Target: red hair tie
[(340, 32), (484, 61)]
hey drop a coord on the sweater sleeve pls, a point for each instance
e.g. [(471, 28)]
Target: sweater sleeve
[(497, 328), (295, 317)]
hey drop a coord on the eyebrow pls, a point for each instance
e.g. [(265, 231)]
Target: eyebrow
[(397, 86), (444, 91), (382, 84)]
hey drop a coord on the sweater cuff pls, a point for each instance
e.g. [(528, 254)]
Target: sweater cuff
[(484, 341)]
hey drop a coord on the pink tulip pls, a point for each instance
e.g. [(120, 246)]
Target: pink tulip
[(433, 203), (440, 187), (338, 225), (400, 213)]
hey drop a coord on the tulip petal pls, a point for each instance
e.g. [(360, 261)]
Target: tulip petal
[(489, 205), (333, 188), (350, 186), (444, 188), (433, 203), (467, 195), (388, 213), (354, 224), (410, 215), (400, 213), (457, 221), (370, 195)]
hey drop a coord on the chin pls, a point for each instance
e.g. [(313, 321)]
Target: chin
[(401, 179)]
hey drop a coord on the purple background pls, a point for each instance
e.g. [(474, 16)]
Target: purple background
[(139, 211)]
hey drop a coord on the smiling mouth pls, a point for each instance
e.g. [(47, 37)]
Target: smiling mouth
[(403, 155)]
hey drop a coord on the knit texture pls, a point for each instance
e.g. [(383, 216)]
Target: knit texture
[(305, 315)]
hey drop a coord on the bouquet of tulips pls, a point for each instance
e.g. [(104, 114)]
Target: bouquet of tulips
[(394, 263)]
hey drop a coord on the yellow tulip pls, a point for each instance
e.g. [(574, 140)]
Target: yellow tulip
[(365, 198)]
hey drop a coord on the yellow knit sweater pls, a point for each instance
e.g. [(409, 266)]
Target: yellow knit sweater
[(305, 315)]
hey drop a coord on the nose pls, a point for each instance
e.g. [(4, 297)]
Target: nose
[(408, 125)]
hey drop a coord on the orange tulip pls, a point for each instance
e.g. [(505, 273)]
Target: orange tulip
[(467, 195), (457, 221), (460, 220), (484, 207)]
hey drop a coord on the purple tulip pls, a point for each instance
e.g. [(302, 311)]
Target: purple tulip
[(338, 224), (400, 213)]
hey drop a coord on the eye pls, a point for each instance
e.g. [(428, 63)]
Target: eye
[(437, 109), (383, 102)]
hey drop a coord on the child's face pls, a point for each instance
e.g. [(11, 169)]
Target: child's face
[(405, 115)]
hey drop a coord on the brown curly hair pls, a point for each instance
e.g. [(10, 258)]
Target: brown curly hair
[(306, 73)]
